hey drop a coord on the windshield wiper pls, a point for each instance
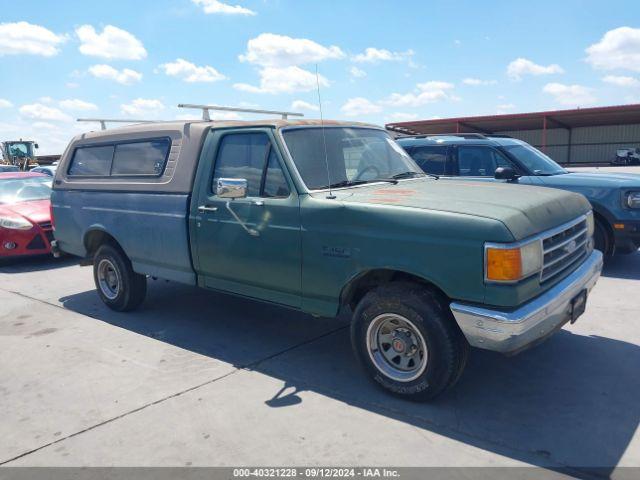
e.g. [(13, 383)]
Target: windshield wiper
[(413, 174), (347, 183)]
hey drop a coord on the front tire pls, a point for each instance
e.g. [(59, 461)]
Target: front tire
[(601, 238), (407, 342), (120, 288)]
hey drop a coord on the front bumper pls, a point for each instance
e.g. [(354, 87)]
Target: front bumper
[(512, 331)]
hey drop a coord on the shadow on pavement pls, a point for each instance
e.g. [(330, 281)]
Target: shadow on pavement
[(34, 264), (623, 266), (570, 401)]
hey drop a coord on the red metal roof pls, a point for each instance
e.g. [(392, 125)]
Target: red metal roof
[(580, 117)]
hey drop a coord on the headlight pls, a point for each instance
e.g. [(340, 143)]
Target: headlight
[(15, 223), (508, 263), (633, 200), (590, 225)]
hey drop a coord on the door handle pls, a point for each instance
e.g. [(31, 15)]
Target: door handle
[(205, 209)]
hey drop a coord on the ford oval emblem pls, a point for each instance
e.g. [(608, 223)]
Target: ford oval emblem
[(571, 246)]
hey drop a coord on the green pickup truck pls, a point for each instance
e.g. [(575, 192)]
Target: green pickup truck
[(326, 217)]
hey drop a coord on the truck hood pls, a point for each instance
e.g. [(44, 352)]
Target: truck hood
[(524, 210), (595, 179), (36, 211)]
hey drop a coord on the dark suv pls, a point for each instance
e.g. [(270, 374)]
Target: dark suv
[(615, 197)]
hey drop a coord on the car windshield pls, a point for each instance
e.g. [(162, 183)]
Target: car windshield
[(353, 156), (534, 160), (19, 149), (14, 190)]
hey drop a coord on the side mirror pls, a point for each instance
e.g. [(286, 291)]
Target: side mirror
[(231, 188), (506, 173), (36, 145)]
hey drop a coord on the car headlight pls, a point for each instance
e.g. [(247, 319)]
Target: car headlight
[(509, 263), (15, 223), (591, 226), (633, 200)]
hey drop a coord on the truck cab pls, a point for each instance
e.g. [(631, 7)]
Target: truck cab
[(327, 217)]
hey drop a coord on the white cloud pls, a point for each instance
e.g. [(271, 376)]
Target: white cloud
[(5, 103), (424, 93), (39, 111), (476, 82), (402, 117), (126, 76), (504, 108), (142, 107), (621, 81), (28, 39), (271, 50), (77, 104), (376, 55), (190, 72), (522, 66), (112, 43), (573, 95), (355, 107), (284, 80), (302, 105), (617, 49), (356, 72), (215, 6)]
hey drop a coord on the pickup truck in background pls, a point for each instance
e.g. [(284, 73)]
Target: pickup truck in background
[(614, 197), (323, 217)]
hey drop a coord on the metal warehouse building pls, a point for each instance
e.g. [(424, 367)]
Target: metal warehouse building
[(585, 135)]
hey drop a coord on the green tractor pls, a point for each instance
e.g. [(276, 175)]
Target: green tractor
[(20, 153)]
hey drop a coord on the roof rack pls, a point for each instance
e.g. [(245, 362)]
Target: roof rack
[(103, 121), (462, 135), (206, 117)]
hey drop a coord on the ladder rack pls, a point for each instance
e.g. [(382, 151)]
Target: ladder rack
[(103, 121), (206, 117)]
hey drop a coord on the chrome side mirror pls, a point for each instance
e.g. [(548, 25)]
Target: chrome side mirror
[(231, 188)]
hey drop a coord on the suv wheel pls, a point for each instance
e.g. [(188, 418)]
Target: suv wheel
[(119, 287), (406, 341), (601, 238)]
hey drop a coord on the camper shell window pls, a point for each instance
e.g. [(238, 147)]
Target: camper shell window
[(138, 158)]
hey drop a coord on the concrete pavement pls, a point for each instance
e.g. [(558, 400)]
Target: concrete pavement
[(198, 378)]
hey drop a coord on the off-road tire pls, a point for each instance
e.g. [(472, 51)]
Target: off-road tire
[(132, 286), (447, 349)]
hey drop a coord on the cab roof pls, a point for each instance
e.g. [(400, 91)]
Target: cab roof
[(14, 175)]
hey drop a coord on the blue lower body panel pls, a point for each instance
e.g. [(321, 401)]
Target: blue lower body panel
[(152, 229)]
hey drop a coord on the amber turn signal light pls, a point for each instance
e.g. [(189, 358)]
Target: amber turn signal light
[(504, 265)]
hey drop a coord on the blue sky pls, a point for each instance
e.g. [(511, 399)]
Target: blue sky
[(379, 61)]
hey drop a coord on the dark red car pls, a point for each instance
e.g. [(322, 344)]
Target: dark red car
[(25, 214)]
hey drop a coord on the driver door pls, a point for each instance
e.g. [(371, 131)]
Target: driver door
[(266, 266)]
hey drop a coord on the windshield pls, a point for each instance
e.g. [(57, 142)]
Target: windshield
[(534, 160), (354, 155), (14, 190), (21, 150)]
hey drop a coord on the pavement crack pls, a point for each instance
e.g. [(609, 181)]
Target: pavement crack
[(237, 369)]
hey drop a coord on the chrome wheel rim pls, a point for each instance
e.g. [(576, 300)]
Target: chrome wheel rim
[(108, 279), (396, 347)]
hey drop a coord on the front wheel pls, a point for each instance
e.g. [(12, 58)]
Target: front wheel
[(119, 287), (601, 238), (407, 342)]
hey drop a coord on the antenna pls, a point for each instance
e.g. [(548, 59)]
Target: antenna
[(324, 138), (103, 121), (207, 118)]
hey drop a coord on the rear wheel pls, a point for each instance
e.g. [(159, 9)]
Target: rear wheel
[(407, 342), (119, 287)]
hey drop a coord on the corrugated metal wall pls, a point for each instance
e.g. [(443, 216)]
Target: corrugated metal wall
[(588, 144)]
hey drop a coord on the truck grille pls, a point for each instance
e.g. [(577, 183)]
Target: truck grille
[(564, 248)]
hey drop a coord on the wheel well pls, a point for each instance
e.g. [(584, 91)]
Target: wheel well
[(608, 229), (95, 239), (362, 284)]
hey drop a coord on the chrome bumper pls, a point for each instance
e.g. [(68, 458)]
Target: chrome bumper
[(513, 331)]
